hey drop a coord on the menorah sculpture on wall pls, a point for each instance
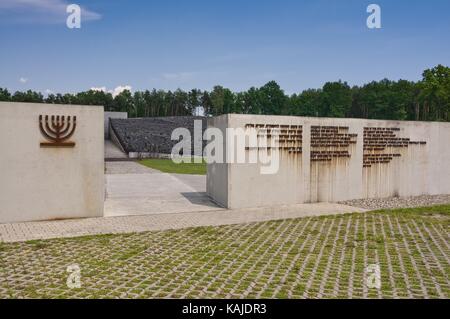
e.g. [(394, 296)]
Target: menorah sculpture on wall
[(57, 129)]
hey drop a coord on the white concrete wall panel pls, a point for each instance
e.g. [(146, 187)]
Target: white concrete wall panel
[(44, 183), (414, 156), (112, 115), (218, 186)]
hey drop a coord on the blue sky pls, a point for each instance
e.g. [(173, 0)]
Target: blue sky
[(197, 44)]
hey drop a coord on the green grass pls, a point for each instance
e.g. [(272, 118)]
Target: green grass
[(168, 166)]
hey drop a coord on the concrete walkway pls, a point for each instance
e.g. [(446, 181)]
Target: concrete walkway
[(157, 222), (133, 189), (128, 167)]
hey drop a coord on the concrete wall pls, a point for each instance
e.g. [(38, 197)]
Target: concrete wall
[(217, 173), (414, 160), (112, 115), (113, 137), (44, 183)]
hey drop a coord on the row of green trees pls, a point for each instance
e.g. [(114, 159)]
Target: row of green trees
[(428, 100)]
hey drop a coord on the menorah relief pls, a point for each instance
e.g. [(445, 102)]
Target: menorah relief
[(57, 130)]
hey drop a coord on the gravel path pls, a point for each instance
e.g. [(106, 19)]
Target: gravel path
[(398, 202)]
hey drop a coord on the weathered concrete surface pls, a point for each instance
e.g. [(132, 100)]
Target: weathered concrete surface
[(154, 222), (41, 183), (112, 151), (197, 182), (132, 189), (218, 173), (112, 115), (420, 167)]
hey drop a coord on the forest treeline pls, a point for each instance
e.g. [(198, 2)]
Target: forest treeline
[(426, 100)]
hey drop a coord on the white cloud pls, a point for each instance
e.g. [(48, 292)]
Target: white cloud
[(42, 11), (120, 89), (49, 92), (115, 91), (23, 80), (101, 89)]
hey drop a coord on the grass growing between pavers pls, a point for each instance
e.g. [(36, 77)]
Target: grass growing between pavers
[(314, 257), (168, 166)]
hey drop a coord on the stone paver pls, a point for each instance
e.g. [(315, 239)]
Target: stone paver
[(127, 224), (312, 257)]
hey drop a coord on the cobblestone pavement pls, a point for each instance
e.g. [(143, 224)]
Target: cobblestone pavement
[(399, 202), (312, 257), (127, 224)]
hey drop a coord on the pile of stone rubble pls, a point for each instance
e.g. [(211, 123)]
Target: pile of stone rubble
[(153, 135), (398, 202)]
